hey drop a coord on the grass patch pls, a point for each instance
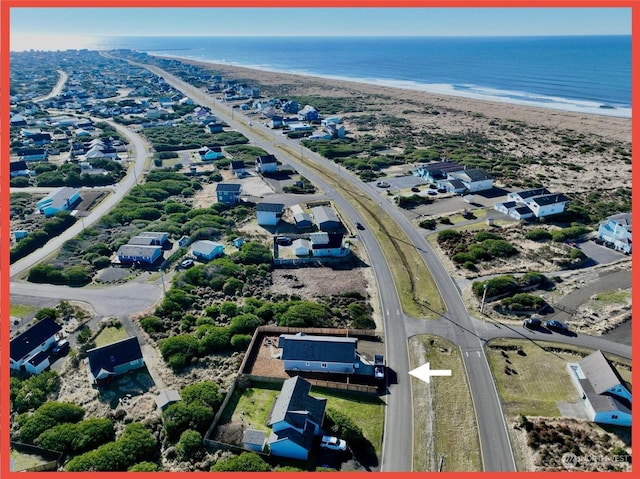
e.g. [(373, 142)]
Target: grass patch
[(253, 406), (540, 379), (109, 335), (446, 404), (21, 461), (413, 280), (22, 310), (613, 297)]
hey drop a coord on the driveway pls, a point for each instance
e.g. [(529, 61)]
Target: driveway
[(598, 253)]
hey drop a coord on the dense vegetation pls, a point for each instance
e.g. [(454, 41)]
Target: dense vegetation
[(38, 238), (189, 137)]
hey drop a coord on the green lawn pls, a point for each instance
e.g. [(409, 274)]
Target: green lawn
[(110, 334), (252, 405), (21, 310), (455, 433)]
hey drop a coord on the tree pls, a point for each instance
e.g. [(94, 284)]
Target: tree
[(245, 462), (205, 392), (47, 416), (32, 392), (181, 416), (144, 466), (305, 314), (190, 446)]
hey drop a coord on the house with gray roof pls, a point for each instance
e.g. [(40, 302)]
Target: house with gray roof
[(326, 354), (616, 229), (138, 254), (604, 394), (62, 199), (296, 418), (228, 192), (269, 214), (473, 179), (325, 218), (546, 205)]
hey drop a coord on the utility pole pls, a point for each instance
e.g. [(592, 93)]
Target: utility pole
[(484, 296)]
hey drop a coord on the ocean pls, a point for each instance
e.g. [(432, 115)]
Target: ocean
[(588, 74)]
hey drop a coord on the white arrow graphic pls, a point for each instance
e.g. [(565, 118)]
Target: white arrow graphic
[(424, 372)]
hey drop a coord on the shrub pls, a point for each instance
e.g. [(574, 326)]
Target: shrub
[(485, 235), (240, 341), (246, 323), (538, 234), (190, 446), (144, 466), (32, 392), (428, 224), (152, 324), (47, 416), (245, 462), (446, 236)]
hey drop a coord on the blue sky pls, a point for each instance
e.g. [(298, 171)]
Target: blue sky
[(46, 28)]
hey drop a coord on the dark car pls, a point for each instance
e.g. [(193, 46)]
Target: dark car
[(60, 347), (556, 325), (532, 323), (283, 240), (415, 189), (359, 226)]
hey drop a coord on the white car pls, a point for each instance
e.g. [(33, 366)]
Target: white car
[(332, 442)]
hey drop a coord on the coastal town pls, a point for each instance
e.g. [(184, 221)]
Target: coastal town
[(222, 269)]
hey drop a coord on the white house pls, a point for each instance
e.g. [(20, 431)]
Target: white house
[(29, 350), (269, 214), (266, 164), (328, 244), (546, 205), (473, 179), (616, 229), (604, 394), (301, 247)]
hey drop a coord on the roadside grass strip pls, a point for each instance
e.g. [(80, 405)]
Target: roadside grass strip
[(445, 429), (22, 310)]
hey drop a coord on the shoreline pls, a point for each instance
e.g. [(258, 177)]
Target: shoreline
[(447, 93)]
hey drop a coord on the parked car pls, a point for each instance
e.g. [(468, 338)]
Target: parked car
[(556, 325), (60, 346), (415, 189), (532, 322), (359, 226), (432, 192), (283, 240), (332, 442), (383, 184), (187, 263)]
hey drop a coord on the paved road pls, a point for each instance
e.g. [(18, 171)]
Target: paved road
[(57, 89)]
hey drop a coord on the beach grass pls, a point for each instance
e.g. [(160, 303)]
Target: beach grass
[(419, 295), (21, 310), (445, 426)]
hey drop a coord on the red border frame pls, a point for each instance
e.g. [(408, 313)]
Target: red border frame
[(6, 5)]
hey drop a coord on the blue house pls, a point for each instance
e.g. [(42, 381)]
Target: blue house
[(238, 168), (616, 229), (18, 168), (604, 394), (308, 113), (326, 354), (107, 362), (33, 154), (29, 350), (206, 250), (138, 254), (296, 418), (63, 199), (228, 192), (210, 153)]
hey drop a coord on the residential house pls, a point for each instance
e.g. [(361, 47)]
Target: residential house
[(308, 113), (325, 218), (616, 229), (473, 179), (269, 214), (325, 354), (215, 127), (33, 154), (62, 199), (452, 186), (18, 168), (266, 164), (206, 250), (29, 350), (290, 106), (522, 196), (439, 170), (159, 237), (129, 254), (210, 153), (328, 244), (112, 360), (140, 241), (254, 440), (228, 192), (276, 121), (296, 418), (604, 394), (40, 139), (546, 205), (238, 168)]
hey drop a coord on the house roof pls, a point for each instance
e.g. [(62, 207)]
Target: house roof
[(58, 198), (107, 358), (524, 194), (508, 204), (141, 240), (601, 373), (143, 251), (237, 164), (549, 199), (157, 235), (444, 166), (303, 440), (326, 240), (456, 184), (323, 214), (523, 210), (294, 404), (623, 219), (22, 345), (17, 166), (205, 246), (302, 218), (273, 207), (39, 358), (265, 159), (228, 187), (476, 174), (317, 348)]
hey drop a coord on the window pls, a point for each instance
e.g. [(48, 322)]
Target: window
[(614, 416), (323, 365), (307, 363)]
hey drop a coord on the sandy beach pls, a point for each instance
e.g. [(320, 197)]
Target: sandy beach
[(567, 151)]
